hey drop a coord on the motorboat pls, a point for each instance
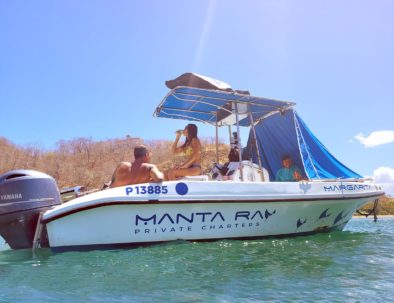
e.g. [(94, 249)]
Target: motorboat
[(247, 203)]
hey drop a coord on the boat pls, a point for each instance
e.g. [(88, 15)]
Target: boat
[(248, 204)]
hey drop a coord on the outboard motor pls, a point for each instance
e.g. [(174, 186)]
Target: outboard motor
[(23, 195)]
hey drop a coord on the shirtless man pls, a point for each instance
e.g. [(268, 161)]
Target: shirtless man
[(140, 171)]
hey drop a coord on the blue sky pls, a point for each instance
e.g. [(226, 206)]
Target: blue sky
[(96, 69)]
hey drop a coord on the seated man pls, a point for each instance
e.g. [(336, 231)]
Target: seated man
[(288, 172), (140, 171), (220, 171)]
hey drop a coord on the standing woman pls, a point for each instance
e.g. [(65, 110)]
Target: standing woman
[(191, 148)]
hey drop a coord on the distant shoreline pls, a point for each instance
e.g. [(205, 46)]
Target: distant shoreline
[(371, 216)]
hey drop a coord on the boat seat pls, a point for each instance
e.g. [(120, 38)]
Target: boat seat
[(251, 172), (196, 178)]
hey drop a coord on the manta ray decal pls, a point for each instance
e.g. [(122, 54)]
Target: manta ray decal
[(268, 214), (300, 223), (324, 214), (339, 217)]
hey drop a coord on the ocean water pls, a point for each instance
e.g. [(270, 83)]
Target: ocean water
[(356, 265)]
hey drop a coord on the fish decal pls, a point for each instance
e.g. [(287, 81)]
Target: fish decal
[(300, 223)]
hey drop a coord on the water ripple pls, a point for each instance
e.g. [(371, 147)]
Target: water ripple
[(356, 265)]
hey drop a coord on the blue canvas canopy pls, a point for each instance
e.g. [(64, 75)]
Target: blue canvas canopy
[(279, 130), (287, 134)]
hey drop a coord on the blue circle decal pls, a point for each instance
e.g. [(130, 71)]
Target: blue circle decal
[(181, 188)]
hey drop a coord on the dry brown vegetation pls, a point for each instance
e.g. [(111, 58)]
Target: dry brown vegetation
[(385, 206), (89, 163)]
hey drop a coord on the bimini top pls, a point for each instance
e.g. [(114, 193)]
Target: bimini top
[(203, 99), (217, 107)]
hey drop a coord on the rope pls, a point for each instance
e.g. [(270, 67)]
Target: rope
[(371, 211)]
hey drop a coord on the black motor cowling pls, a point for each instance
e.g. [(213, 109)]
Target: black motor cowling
[(23, 195)]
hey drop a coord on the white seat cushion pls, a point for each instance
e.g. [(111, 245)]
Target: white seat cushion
[(196, 178)]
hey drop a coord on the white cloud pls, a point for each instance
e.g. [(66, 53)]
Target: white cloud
[(376, 138), (385, 176)]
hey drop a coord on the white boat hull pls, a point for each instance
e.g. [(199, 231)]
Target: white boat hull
[(255, 210)]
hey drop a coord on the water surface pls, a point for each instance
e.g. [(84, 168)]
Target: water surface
[(356, 265)]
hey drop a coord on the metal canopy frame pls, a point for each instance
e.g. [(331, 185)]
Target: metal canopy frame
[(196, 96), (225, 100)]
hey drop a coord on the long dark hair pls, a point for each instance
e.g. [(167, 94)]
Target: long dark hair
[(191, 134)]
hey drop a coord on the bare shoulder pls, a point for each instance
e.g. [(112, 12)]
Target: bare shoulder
[(122, 166), (121, 174)]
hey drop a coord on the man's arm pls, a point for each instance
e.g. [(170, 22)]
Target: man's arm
[(156, 174)]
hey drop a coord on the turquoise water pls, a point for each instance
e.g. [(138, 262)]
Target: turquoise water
[(356, 265)]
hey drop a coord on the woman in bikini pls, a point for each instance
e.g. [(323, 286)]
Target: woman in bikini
[(191, 148)]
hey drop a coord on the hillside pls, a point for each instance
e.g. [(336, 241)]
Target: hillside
[(385, 206), (89, 163)]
